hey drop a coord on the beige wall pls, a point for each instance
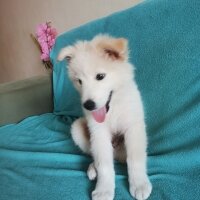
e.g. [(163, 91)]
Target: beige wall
[(19, 57)]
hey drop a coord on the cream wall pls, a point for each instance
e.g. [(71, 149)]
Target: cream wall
[(19, 57)]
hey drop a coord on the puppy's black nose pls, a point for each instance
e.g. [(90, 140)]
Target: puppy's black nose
[(89, 105)]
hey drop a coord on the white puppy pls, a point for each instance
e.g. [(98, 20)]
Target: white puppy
[(114, 125)]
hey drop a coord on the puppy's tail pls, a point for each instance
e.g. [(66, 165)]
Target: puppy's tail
[(80, 135)]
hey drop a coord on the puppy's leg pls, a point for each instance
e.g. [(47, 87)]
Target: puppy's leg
[(91, 172), (80, 134), (81, 137), (119, 154), (102, 151), (135, 141)]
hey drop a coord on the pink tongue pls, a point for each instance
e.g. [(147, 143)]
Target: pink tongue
[(100, 114)]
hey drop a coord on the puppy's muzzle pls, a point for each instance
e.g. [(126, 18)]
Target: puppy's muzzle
[(89, 105)]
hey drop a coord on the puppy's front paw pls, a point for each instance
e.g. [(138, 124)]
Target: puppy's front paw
[(103, 194), (142, 191)]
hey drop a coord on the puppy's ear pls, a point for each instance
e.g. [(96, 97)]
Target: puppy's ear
[(112, 48), (67, 53)]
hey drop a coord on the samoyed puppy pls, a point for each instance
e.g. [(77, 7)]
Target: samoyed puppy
[(113, 126)]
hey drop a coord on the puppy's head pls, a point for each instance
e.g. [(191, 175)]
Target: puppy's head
[(98, 68)]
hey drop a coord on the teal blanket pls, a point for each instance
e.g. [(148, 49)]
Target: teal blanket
[(38, 159)]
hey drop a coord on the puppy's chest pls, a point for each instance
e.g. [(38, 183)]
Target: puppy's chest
[(116, 126), (117, 121)]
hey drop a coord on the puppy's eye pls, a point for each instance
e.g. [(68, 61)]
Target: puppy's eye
[(100, 77), (80, 82)]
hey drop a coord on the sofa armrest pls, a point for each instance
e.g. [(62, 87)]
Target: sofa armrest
[(24, 98)]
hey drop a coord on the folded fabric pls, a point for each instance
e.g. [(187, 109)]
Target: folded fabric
[(38, 159)]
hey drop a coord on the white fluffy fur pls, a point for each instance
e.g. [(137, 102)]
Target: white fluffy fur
[(86, 59)]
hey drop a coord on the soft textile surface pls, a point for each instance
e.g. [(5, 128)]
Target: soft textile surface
[(38, 160), (37, 157)]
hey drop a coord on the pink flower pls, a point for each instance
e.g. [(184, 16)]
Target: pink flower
[(53, 32), (45, 48), (46, 36), (44, 57), (41, 28)]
